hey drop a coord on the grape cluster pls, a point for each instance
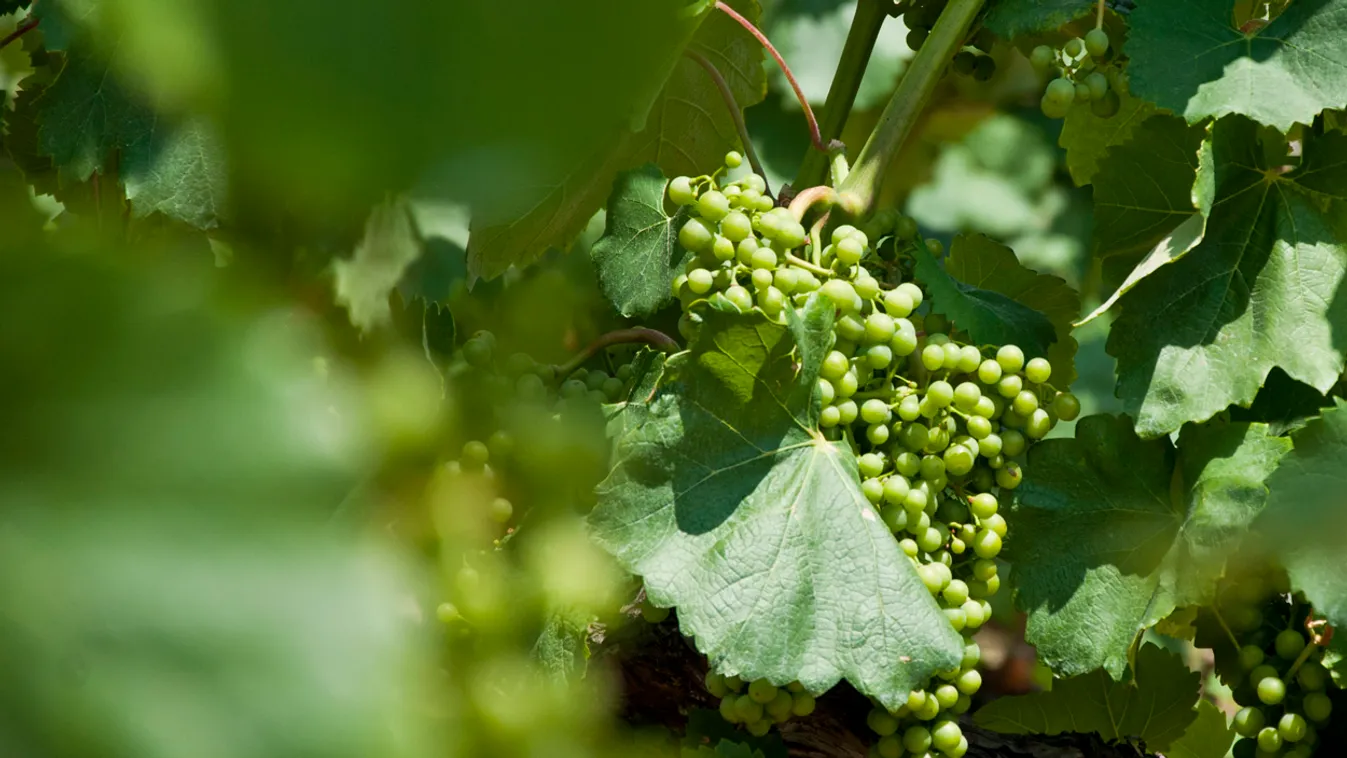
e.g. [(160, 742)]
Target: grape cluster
[(1085, 74), (940, 426), (759, 705), (972, 60), (1276, 674)]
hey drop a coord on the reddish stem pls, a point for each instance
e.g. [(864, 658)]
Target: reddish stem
[(27, 25), (650, 337), (814, 136)]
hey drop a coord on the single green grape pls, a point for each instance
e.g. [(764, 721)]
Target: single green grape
[(1083, 94), (1097, 43), (881, 722), (681, 191), (1037, 370), (475, 454), (1041, 58), (953, 356), (933, 357), (867, 287), (969, 682), (1038, 425), (1106, 106), (829, 417), (964, 61), (1248, 721), (984, 68), (880, 327), (1312, 676), (1269, 739), (849, 251), (761, 691), (835, 364), (879, 356), (917, 739), (876, 411), (733, 159), (913, 293), (1289, 643), (1097, 84), (1318, 707), (945, 735), (969, 359), (897, 303), (1271, 690), (736, 226), (940, 393), (1292, 727), (764, 258), (878, 434), (1024, 403), (982, 505), (804, 704), (740, 297), (1010, 358), (848, 410), (1009, 476), (695, 236), (1053, 108), (1074, 47), (839, 291), (1066, 407)]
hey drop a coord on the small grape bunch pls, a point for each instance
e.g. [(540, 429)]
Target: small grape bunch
[(1085, 74), (758, 705), (1276, 673)]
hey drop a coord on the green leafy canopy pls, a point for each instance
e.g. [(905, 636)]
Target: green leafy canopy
[(1113, 533), (1262, 288), (1156, 706), (1188, 57), (733, 508)]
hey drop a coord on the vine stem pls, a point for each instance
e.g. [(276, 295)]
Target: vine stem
[(736, 112), (808, 198), (1099, 17), (650, 337), (807, 266), (856, 52), (814, 135), (27, 25), (861, 188)]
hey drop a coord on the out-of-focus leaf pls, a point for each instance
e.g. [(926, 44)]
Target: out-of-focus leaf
[(365, 280)]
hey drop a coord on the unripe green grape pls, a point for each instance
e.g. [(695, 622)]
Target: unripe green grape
[(955, 593), (933, 357), (876, 411), (729, 708), (1248, 721), (1312, 676), (849, 251), (878, 434), (1083, 94), (1074, 47), (1292, 727), (1096, 43), (1024, 403), (940, 393), (1013, 443), (932, 467), (937, 439), (1038, 425), (873, 489), (804, 704), (790, 234), (839, 291), (1010, 358), (1009, 386), (953, 355), (713, 205), (829, 417), (736, 226), (847, 384), (848, 410), (964, 61), (1317, 707), (879, 356), (975, 614), (761, 691), (740, 298), (990, 446), (984, 569), (982, 505), (867, 287), (937, 249), (945, 735), (762, 279), (985, 407), (879, 327), (1260, 673), (771, 301), (908, 464), (913, 293), (1106, 106), (1037, 370), (895, 518), (871, 464), (1271, 690), (917, 739), (881, 722), (1066, 407), (1289, 643), (904, 340), (897, 303), (909, 408), (896, 488), (1054, 109), (695, 236), (989, 371), (955, 617), (914, 436), (984, 68), (931, 539), (715, 684), (1062, 92), (1041, 58), (987, 544), (1250, 657), (759, 728), (969, 682), (826, 391), (1009, 476), (764, 258), (979, 428), (681, 191), (743, 252), (1097, 84), (733, 159), (748, 709), (834, 365), (1269, 739), (996, 523), (959, 460), (969, 359)]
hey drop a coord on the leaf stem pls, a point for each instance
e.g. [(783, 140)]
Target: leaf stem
[(790, 77), (861, 189), (736, 113), (856, 52), (1221, 620), (808, 198), (25, 26), (1099, 17), (650, 337)]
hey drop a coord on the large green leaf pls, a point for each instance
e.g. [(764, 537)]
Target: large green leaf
[(989, 316), (1209, 736), (1187, 56), (734, 508), (1012, 18), (1306, 517), (1087, 138), (1115, 532), (169, 582), (639, 256), (981, 262), (1144, 187), (1156, 706), (1262, 289), (688, 131)]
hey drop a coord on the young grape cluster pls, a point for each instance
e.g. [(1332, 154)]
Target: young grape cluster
[(760, 705), (940, 426), (1276, 673), (1085, 74), (973, 58)]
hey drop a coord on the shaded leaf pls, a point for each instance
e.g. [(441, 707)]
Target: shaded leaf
[(1284, 404), (1087, 138), (1116, 532), (1207, 737), (1156, 706), (638, 256), (364, 281), (980, 262), (1013, 18), (734, 509), (988, 316), (1188, 57), (1307, 512), (1262, 289)]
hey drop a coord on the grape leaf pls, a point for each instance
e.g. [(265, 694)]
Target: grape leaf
[(1262, 289), (1335, 659), (1284, 404), (1188, 57), (1013, 18), (1115, 532), (981, 262), (10, 6), (1307, 511), (988, 316), (1157, 707), (364, 282), (638, 256), (733, 508), (688, 131), (88, 121), (1207, 737), (1087, 138), (562, 647), (1144, 187)]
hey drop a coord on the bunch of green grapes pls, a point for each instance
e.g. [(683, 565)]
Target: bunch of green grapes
[(1277, 674), (760, 705), (1084, 74), (940, 427)]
